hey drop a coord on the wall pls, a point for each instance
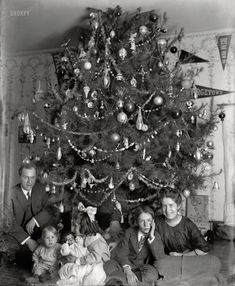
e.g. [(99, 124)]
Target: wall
[(21, 74)]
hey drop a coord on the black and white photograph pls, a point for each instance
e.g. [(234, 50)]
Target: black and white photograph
[(117, 143)]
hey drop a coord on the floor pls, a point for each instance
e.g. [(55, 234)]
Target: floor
[(224, 249)]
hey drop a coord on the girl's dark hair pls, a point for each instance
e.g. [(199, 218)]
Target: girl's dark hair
[(138, 211), (88, 227), (171, 193)]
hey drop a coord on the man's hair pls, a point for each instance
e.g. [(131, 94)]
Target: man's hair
[(172, 194), (28, 166)]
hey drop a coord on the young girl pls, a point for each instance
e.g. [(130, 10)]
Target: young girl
[(45, 257), (85, 268)]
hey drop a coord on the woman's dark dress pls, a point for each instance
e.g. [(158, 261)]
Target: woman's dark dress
[(183, 237)]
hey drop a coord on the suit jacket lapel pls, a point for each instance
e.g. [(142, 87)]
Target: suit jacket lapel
[(21, 197), (134, 241)]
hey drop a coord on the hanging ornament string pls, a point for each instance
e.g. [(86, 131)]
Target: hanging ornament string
[(65, 182), (68, 131)]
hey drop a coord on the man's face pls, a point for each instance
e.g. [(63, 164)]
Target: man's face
[(28, 178)]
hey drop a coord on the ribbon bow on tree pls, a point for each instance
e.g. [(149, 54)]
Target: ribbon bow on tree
[(91, 211)]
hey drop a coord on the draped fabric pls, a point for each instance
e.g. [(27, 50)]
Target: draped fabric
[(229, 164)]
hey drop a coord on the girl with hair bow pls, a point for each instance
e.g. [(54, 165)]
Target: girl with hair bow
[(86, 269)]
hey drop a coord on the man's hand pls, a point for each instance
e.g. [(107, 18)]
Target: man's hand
[(131, 277), (152, 231), (32, 244), (30, 226)]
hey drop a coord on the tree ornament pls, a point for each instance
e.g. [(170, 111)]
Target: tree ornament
[(186, 83), (193, 119), (160, 65), (115, 137), (122, 53), (53, 189), (59, 153), (189, 104), (112, 34), (94, 24), (137, 147), (47, 188), (215, 128), (198, 155), (37, 158), (216, 186), (86, 90), (117, 166), (122, 117), (179, 133), (130, 176), (111, 185), (143, 30), (153, 17), (27, 126), (106, 79), (173, 50), (210, 144), (222, 116), (186, 193), (120, 103), (126, 142), (209, 156), (161, 44), (75, 109), (139, 121), (61, 207), (64, 60), (176, 114), (129, 106), (132, 186), (145, 127), (177, 147), (87, 65), (90, 104), (158, 100), (133, 82), (77, 71), (119, 76)]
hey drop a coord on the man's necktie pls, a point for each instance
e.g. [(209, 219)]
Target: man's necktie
[(28, 195), (141, 242)]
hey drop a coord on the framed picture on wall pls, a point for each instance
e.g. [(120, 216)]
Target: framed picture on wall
[(23, 137)]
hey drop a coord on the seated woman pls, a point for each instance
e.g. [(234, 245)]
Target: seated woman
[(140, 243), (181, 237), (179, 234)]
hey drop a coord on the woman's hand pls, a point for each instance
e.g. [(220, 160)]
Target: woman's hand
[(131, 277), (152, 231), (175, 254)]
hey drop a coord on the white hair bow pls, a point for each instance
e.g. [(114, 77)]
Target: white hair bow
[(91, 211)]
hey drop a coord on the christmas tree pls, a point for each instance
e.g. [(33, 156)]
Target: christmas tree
[(124, 114)]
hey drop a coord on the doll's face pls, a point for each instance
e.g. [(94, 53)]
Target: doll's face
[(144, 222), (70, 239), (170, 208), (50, 239)]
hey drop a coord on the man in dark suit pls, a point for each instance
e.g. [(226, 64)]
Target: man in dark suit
[(29, 211)]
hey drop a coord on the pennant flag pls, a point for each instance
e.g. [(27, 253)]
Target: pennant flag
[(223, 43), (58, 67), (187, 58), (203, 91)]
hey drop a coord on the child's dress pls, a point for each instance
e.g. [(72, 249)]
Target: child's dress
[(88, 270), (45, 259)]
